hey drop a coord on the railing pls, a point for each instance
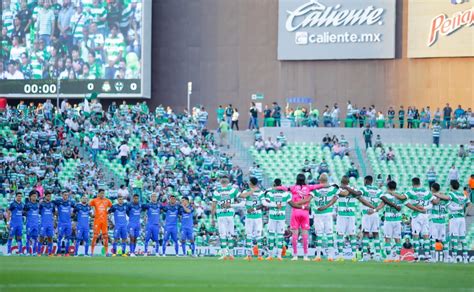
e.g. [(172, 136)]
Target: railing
[(360, 157)]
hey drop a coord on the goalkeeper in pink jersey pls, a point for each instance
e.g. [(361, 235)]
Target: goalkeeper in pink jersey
[(300, 198)]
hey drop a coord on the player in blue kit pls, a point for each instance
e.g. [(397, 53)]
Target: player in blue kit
[(64, 208), (153, 214), (134, 211), (82, 212), (32, 222), (187, 225), (15, 215), (120, 225), (47, 222), (172, 211)]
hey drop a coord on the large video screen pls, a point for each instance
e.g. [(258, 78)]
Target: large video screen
[(73, 48)]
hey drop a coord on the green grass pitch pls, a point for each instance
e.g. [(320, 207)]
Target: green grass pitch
[(209, 274)]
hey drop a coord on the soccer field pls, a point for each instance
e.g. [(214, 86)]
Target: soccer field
[(209, 274)]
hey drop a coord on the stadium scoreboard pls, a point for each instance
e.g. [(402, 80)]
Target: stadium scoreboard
[(131, 73)]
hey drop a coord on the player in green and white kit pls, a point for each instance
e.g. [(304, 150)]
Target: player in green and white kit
[(370, 199), (277, 201), (253, 199), (392, 204), (438, 213), (457, 220), (223, 203), (419, 198), (322, 210), (345, 222)]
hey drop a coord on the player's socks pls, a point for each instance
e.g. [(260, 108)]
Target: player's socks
[(35, 245), (94, 240), (176, 247), (193, 248), (330, 239), (106, 245), (398, 248), (183, 247), (416, 246), (248, 246), (157, 248), (260, 246), (365, 246), (86, 247), (387, 248), (124, 247), (464, 248), (305, 244), (28, 239), (76, 247), (271, 242), (50, 247), (426, 247), (353, 245), (231, 245), (319, 246), (20, 247), (279, 244), (455, 247), (340, 245), (114, 247), (223, 245), (147, 241), (67, 246), (294, 243), (377, 246), (9, 246)]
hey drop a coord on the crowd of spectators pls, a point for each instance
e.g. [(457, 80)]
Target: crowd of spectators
[(71, 39), (302, 116), (176, 155)]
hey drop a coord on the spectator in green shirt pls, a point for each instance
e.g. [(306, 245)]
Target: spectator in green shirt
[(220, 114)]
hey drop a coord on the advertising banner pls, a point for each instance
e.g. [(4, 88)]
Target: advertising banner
[(336, 29), (440, 28)]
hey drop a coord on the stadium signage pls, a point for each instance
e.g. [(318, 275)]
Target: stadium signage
[(325, 29), (316, 15), (441, 29), (446, 26)]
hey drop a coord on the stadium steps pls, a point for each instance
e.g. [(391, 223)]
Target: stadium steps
[(240, 142)]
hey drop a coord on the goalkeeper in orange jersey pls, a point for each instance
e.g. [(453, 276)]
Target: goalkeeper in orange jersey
[(100, 206)]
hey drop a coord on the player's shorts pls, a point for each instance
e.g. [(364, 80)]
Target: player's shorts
[(457, 227), (299, 219), (82, 232), (323, 224), (65, 230), (16, 230), (392, 229), (120, 232), (345, 225), (276, 226), (134, 230), (32, 230), (225, 226), (171, 232), (253, 227), (187, 234), (420, 224), (438, 231), (100, 227), (371, 223), (47, 231), (152, 232)]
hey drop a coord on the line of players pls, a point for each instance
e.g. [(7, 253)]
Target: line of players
[(431, 213), (40, 218)]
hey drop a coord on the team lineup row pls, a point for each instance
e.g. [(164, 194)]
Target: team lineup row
[(431, 213)]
